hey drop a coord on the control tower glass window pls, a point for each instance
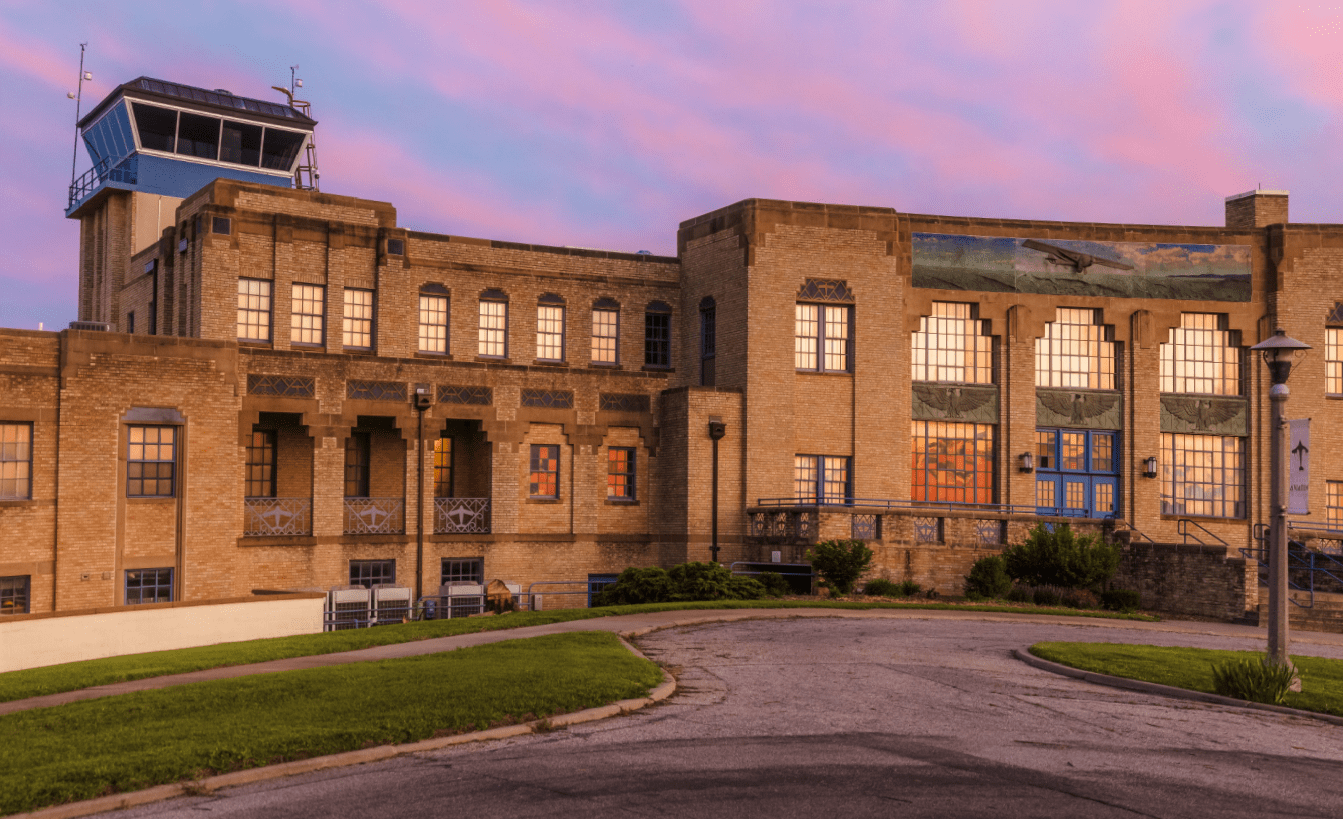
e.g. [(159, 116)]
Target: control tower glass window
[(241, 143), (157, 127), (198, 136), (279, 149)]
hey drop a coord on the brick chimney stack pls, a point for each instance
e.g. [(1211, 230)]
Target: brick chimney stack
[(1256, 209)]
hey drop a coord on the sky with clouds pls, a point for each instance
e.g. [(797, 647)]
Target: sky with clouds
[(605, 124)]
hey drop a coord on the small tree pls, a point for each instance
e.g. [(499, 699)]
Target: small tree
[(988, 578), (840, 562), (1061, 558)]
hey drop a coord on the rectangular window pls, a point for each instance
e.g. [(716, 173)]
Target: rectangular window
[(821, 479), (369, 573), (1333, 361), (253, 310), (149, 586), (953, 463), (1333, 504), (130, 322), (708, 345), (16, 461), (260, 475), (657, 340), (14, 594), (493, 329), (463, 570), (549, 333), (821, 338), (434, 324), (1044, 494), (620, 474), (545, 481), (1202, 475), (806, 324), (307, 314), (443, 468), (150, 461), (358, 319), (356, 465), (605, 336), (1044, 450)]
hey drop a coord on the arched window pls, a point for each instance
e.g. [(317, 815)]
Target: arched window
[(606, 331), (493, 324), (657, 334), (550, 328)]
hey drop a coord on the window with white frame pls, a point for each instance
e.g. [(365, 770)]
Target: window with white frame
[(1203, 475), (550, 328), (306, 315), (821, 479), (253, 310), (821, 337), (1075, 352), (953, 345), (1201, 356), (433, 323), (358, 319), (16, 461), (1333, 361), (493, 325), (606, 332)]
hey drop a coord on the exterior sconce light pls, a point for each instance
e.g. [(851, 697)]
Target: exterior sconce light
[(1149, 467), (1027, 462)]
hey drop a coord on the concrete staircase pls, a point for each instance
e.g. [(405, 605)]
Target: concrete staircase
[(1325, 615)]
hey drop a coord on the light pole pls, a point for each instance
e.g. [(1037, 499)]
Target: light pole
[(717, 429), (1280, 350)]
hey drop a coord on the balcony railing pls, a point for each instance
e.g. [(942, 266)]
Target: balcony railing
[(277, 516), (375, 516), (461, 516)]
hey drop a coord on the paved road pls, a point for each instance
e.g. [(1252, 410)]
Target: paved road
[(857, 717)]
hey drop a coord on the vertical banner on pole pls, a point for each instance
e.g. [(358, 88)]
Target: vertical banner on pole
[(1298, 467)]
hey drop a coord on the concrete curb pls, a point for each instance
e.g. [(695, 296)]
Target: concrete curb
[(159, 793), (1163, 690)]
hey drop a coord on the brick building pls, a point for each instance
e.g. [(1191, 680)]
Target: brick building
[(271, 388)]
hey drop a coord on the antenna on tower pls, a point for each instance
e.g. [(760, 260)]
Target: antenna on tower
[(78, 97), (306, 175)]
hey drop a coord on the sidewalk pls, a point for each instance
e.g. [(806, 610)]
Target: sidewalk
[(632, 626)]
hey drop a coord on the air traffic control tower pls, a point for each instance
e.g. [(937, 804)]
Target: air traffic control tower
[(152, 144)]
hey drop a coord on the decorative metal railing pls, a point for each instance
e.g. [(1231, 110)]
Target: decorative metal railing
[(784, 526), (461, 516), (926, 506), (375, 516), (277, 516), (124, 169)]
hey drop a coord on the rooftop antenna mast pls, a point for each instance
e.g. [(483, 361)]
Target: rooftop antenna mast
[(306, 176), (78, 97)]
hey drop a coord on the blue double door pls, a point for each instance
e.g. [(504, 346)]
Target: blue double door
[(1077, 472)]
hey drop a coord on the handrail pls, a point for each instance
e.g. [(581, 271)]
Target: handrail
[(732, 567), (1182, 529), (1129, 527), (949, 506)]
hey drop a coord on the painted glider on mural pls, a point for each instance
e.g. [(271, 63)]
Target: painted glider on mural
[(1071, 258)]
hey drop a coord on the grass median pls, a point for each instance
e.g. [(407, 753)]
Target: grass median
[(1191, 668), (33, 682), (134, 741)]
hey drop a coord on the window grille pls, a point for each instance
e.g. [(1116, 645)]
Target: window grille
[(463, 394), (620, 473), (358, 319), (150, 461), (1333, 361), (545, 478), (1203, 475), (356, 465), (953, 345), (463, 570), (657, 339), (306, 318), (549, 399), (369, 573), (549, 333), (1201, 356), (286, 386), (493, 329), (149, 586), (624, 402), (376, 390), (261, 464), (443, 468), (821, 479), (927, 530), (14, 594), (16, 461), (434, 324), (253, 310), (1075, 352), (953, 462), (989, 532), (865, 527), (605, 336)]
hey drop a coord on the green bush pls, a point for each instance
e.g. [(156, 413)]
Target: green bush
[(1256, 680), (908, 588), (840, 562), (987, 579), (1019, 594), (1080, 599), (700, 581), (1061, 558), (635, 586), (1123, 600), (745, 588), (1046, 597), (683, 583), (881, 587), (775, 585)]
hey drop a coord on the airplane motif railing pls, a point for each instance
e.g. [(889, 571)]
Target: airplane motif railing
[(461, 516), (277, 516), (375, 516)]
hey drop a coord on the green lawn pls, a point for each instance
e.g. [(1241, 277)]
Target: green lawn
[(1191, 668), (133, 741), (33, 682)]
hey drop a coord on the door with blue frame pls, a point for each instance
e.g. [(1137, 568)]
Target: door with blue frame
[(1077, 472)]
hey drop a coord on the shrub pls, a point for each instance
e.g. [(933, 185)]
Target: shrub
[(1046, 597), (932, 594), (775, 585), (987, 578), (699, 581), (1061, 558), (840, 562), (881, 587), (1256, 680), (745, 588), (634, 586), (688, 581), (1121, 600), (908, 588), (1019, 594), (1080, 599)]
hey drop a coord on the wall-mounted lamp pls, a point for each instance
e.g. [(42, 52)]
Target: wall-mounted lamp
[(1149, 467), (1027, 462)]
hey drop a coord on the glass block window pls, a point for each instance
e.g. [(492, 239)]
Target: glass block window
[(149, 586), (493, 329), (16, 461), (306, 315), (253, 310), (356, 465), (821, 479), (545, 478), (1201, 356), (953, 345), (821, 338), (953, 462), (1333, 361), (358, 319), (151, 458), (369, 573), (433, 324), (549, 332), (15, 594), (443, 468), (463, 570), (605, 336), (1333, 504), (260, 467), (1203, 475), (620, 474), (657, 339), (1075, 352)]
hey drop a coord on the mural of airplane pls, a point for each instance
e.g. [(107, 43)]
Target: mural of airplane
[(1071, 258)]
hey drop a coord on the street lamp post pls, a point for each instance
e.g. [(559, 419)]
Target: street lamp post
[(1279, 351)]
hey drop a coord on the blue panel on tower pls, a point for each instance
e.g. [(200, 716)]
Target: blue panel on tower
[(181, 178)]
